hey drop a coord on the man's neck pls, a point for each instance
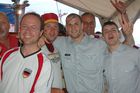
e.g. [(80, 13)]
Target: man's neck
[(79, 39), (29, 49), (113, 47)]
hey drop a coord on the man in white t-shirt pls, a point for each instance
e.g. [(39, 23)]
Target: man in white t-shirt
[(26, 69)]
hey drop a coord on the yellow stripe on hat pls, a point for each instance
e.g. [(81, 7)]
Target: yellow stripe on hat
[(50, 20)]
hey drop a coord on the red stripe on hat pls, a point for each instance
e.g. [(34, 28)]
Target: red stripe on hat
[(49, 16), (40, 64), (5, 57)]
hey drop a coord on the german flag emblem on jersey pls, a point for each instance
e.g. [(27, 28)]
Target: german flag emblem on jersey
[(26, 73)]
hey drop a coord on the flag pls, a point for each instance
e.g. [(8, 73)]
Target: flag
[(7, 8)]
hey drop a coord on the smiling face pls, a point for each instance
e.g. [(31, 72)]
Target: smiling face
[(30, 29), (51, 31), (111, 35), (74, 27)]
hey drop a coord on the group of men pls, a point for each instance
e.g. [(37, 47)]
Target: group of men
[(35, 66)]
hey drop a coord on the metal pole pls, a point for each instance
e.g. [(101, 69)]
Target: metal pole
[(19, 10)]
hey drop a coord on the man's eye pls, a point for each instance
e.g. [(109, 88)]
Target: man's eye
[(24, 27)]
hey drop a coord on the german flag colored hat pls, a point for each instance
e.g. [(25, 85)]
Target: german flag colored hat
[(49, 17)]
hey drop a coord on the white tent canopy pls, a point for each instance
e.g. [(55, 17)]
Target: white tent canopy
[(104, 9)]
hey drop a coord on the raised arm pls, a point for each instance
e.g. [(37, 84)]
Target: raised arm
[(127, 27), (127, 30)]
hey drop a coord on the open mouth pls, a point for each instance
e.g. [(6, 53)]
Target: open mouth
[(110, 38)]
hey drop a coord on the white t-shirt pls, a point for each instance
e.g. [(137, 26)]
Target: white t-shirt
[(19, 73)]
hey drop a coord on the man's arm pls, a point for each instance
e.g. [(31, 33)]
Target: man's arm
[(127, 30), (127, 27)]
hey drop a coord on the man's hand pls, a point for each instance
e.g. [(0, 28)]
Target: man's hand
[(127, 30), (119, 6), (127, 27), (41, 41)]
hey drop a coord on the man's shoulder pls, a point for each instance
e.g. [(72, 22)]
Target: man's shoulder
[(13, 35), (130, 49), (98, 42), (60, 41), (10, 52), (60, 38)]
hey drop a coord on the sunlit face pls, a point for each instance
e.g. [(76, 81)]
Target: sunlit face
[(74, 27), (88, 24), (111, 35), (30, 30), (51, 31), (4, 26)]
